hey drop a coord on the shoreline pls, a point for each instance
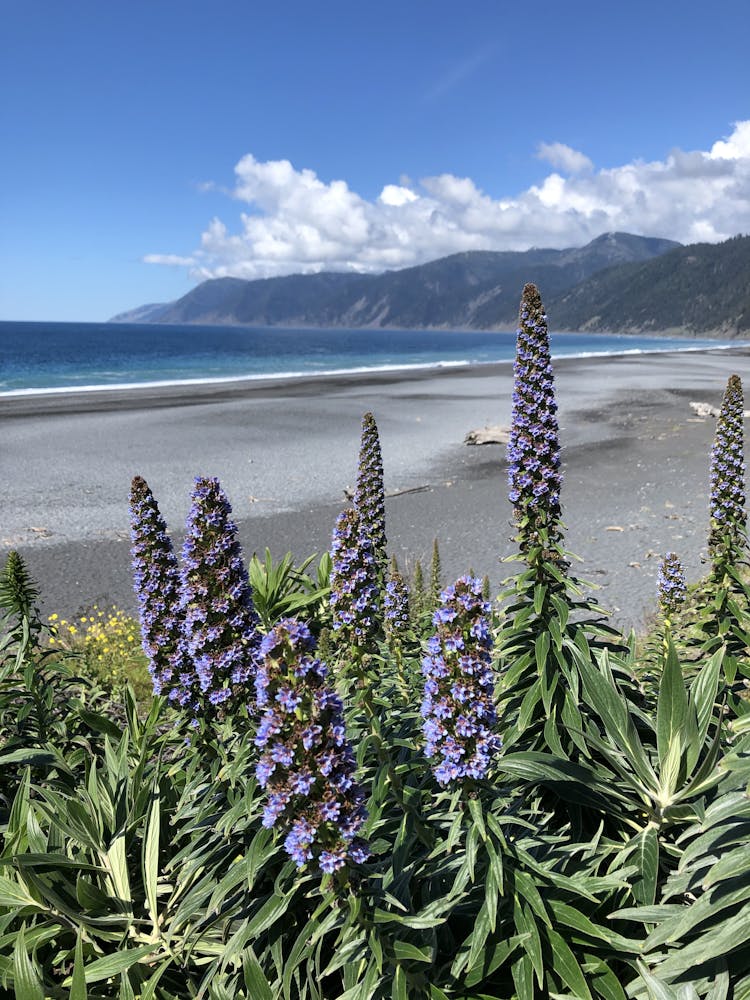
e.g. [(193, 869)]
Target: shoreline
[(135, 395), (635, 463)]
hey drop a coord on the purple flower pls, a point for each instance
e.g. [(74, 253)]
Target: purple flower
[(671, 585), (396, 608), (220, 626), (354, 583), (306, 765), (369, 495), (534, 475), (727, 503), (156, 578), (458, 706)]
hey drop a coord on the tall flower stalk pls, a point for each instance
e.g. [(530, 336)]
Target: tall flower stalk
[(397, 623), (727, 503), (458, 706), (307, 764), (354, 585), (672, 591), (547, 617), (369, 495), (396, 608), (436, 576), (534, 473), (219, 623), (156, 579)]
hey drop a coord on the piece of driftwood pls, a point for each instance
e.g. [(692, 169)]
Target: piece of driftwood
[(349, 492), (706, 410), (488, 435)]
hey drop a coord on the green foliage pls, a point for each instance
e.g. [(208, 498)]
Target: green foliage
[(283, 590), (604, 857), (418, 599)]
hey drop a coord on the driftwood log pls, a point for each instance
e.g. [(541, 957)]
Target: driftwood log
[(488, 435), (349, 492), (706, 410)]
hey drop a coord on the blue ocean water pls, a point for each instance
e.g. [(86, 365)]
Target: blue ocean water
[(41, 357)]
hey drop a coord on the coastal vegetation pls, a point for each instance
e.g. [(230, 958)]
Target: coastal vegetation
[(703, 289), (347, 785)]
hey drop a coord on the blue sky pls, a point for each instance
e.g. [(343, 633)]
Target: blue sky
[(149, 145)]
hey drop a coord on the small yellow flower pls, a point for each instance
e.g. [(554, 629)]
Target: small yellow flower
[(54, 617)]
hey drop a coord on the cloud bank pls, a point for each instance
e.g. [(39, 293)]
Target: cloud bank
[(296, 223)]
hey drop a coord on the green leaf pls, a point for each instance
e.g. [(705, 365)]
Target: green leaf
[(475, 809), (602, 694), (255, 979), (529, 932), (115, 861), (16, 896), (404, 951), (569, 916), (495, 954), (646, 856), (657, 990), (672, 707), (703, 694), (151, 858), (272, 910), (399, 991), (605, 982), (541, 649), (126, 989), (116, 963), (26, 982), (540, 592), (27, 755), (523, 978), (566, 966), (100, 723), (78, 985)]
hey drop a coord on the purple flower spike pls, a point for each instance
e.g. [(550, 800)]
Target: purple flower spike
[(396, 608), (354, 582), (369, 496), (671, 585), (220, 625), (534, 473), (156, 578), (458, 706), (307, 764), (727, 504)]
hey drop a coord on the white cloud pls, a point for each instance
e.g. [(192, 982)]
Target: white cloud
[(395, 194), (557, 154), (296, 223)]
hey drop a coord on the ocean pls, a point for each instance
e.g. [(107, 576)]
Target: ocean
[(45, 357)]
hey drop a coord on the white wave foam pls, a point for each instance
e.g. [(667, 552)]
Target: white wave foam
[(360, 370), (227, 379)]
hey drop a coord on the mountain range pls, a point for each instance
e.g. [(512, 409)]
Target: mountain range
[(616, 283)]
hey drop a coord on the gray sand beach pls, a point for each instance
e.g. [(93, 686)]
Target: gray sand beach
[(636, 461)]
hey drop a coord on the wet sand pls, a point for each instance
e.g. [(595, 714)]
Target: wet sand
[(635, 462)]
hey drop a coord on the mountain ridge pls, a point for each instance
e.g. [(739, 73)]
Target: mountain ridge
[(701, 288), (470, 290)]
